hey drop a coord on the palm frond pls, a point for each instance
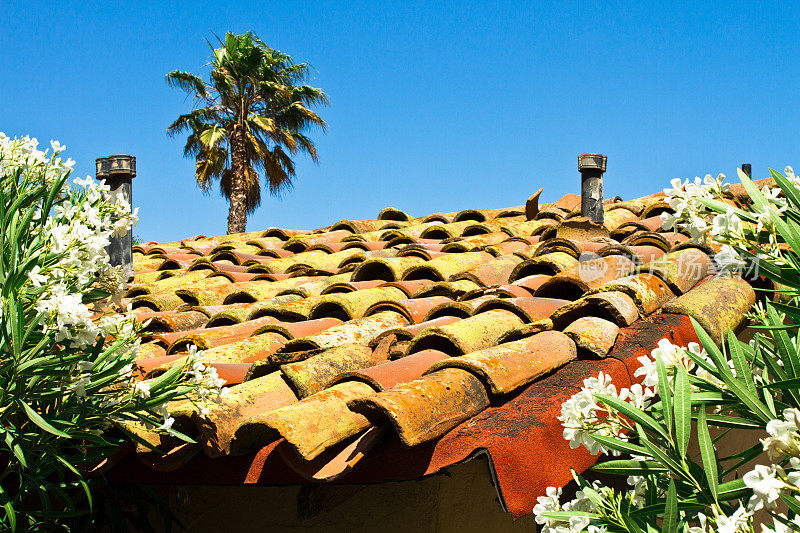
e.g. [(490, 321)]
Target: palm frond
[(210, 165), (188, 82), (197, 119), (212, 136), (279, 169)]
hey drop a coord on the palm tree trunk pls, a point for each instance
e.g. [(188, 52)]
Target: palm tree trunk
[(237, 213)]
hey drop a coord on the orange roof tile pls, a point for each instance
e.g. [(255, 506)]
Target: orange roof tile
[(391, 348)]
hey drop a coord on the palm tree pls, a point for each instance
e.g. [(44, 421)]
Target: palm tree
[(246, 121)]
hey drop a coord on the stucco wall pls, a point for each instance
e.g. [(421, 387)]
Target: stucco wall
[(460, 500)]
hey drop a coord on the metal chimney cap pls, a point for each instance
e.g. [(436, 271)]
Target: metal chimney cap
[(592, 162), (116, 164)]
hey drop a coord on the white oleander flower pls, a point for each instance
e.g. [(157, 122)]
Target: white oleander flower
[(793, 471), (126, 372), (166, 426), (789, 171), (736, 523), (639, 484), (702, 526), (37, 279), (582, 417), (766, 487), (79, 385), (784, 435), (672, 356), (729, 260), (546, 504), (725, 224), (637, 395), (57, 147), (141, 390), (550, 503)]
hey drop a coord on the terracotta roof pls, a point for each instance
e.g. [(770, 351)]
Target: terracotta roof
[(386, 349)]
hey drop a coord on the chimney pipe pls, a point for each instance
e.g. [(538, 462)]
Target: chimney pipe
[(118, 172), (592, 167), (747, 170)]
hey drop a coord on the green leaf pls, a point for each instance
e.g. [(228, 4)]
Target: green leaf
[(635, 414), (743, 371), (752, 191), (785, 384), (707, 452), (39, 421), (733, 490), (664, 393), (649, 511), (735, 385), (670, 522), (621, 445), (784, 346), (564, 516), (660, 455), (788, 230), (631, 524), (789, 190), (683, 410), (629, 467), (16, 449), (731, 421), (9, 507), (791, 503), (721, 207), (744, 457)]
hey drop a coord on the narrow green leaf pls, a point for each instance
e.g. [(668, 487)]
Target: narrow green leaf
[(791, 503), (784, 346), (741, 366), (564, 516), (735, 385), (660, 455), (16, 449), (683, 410), (744, 457), (710, 347), (635, 414), (750, 399), (707, 452), (648, 511), (752, 191), (785, 384), (731, 490), (670, 522), (11, 514), (665, 394), (788, 230), (621, 445), (39, 421), (629, 467), (789, 190), (631, 524), (731, 421)]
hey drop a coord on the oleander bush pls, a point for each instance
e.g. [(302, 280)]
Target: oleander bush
[(69, 395), (703, 393)]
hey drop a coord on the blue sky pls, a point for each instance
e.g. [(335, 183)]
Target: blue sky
[(434, 106)]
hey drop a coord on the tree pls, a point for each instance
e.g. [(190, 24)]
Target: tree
[(247, 120)]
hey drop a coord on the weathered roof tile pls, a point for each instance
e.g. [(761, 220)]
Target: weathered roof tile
[(416, 325), (508, 366), (719, 304)]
